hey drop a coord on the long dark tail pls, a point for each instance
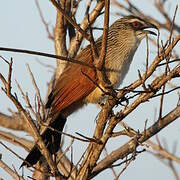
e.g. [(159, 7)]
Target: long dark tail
[(51, 139)]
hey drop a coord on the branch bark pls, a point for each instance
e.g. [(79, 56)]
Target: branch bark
[(10, 171), (130, 146)]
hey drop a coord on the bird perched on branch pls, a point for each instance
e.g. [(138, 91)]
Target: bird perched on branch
[(77, 85)]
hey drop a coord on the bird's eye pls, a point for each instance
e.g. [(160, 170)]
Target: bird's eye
[(136, 24)]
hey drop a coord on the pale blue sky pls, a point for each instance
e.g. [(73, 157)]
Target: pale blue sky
[(21, 27)]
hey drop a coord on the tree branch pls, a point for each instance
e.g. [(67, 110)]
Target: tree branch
[(6, 168), (128, 148)]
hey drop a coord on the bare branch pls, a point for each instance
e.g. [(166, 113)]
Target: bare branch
[(27, 118), (42, 107), (70, 20), (100, 63), (128, 148), (13, 139), (50, 36), (163, 152), (76, 41), (10, 171), (61, 58), (60, 32), (14, 122)]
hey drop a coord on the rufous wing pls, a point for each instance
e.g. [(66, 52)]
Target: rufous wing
[(75, 83)]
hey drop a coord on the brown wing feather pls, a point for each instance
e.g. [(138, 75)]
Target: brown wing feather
[(73, 84)]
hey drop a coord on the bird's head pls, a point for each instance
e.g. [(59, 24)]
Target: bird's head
[(139, 26), (131, 28)]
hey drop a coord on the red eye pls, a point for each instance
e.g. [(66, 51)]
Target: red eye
[(136, 24)]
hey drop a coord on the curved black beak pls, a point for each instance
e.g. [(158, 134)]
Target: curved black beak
[(149, 25), (150, 32)]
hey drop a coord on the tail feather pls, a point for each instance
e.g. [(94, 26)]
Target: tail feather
[(51, 139)]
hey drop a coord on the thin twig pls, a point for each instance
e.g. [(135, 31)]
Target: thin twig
[(50, 36), (100, 63), (13, 139), (42, 107), (28, 119), (10, 171), (61, 58), (70, 20), (26, 98)]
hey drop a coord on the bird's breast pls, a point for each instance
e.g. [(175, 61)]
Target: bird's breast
[(95, 96), (117, 63), (119, 66)]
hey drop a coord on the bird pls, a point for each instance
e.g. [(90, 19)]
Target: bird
[(79, 85)]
